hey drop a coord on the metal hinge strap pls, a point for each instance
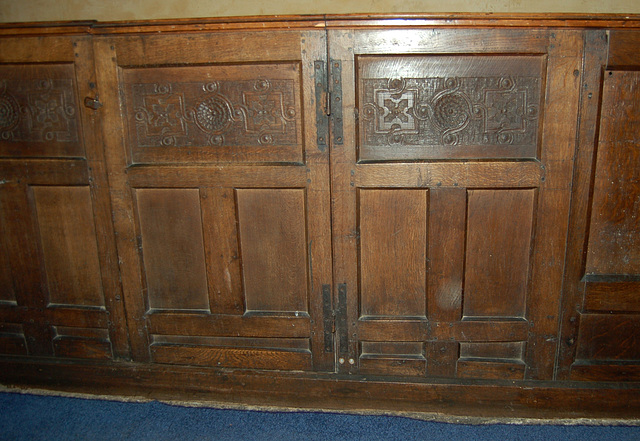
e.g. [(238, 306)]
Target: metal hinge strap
[(341, 320), (329, 321), (336, 101), (322, 104)]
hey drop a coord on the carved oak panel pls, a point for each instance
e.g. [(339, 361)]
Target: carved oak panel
[(242, 112), (438, 106), (38, 111)]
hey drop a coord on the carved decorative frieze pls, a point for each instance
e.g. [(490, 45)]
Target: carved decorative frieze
[(214, 113), (38, 110), (457, 111)]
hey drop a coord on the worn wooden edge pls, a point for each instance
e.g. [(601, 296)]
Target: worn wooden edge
[(329, 21), (492, 20), (258, 407), (46, 28), (464, 398)]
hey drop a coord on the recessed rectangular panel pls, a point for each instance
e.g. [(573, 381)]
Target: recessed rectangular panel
[(234, 342), (454, 106), (499, 229), (69, 247), (614, 236), (241, 358), (7, 292), (490, 369), (393, 348), (273, 240), (393, 241), (609, 337), (40, 115), (224, 113), (90, 343), (172, 248), (12, 340), (492, 350), (609, 295)]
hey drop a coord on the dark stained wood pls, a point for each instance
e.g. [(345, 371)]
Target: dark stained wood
[(41, 111), (613, 296), (171, 235), (44, 172), (466, 330), (442, 358), (222, 250), (231, 342), (470, 368), (497, 252), (397, 113), (13, 344), (272, 226), (481, 330), (58, 316), (446, 245), (194, 49), (461, 236), (70, 252), (480, 20), (393, 358), (393, 230), (229, 325), (414, 366), (564, 64), (447, 225), (122, 203), (232, 135), (480, 399), (82, 348), (445, 107), (12, 340), (7, 291), (20, 231), (614, 236), (232, 357), (36, 49), (218, 113), (502, 351), (82, 343), (589, 371), (101, 204), (451, 174), (609, 337), (606, 344), (216, 176), (595, 42), (63, 268), (623, 45)]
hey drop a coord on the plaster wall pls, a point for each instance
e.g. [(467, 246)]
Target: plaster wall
[(112, 10)]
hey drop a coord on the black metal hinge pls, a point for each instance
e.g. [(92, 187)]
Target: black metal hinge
[(323, 102), (336, 101), (329, 318), (341, 321)]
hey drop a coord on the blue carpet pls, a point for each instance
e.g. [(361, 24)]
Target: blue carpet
[(33, 417)]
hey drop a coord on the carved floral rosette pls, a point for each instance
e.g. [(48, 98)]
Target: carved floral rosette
[(38, 110), (450, 111), (214, 113)]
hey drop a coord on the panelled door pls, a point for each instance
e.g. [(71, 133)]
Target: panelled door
[(59, 285), (451, 170), (601, 323), (212, 145)]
